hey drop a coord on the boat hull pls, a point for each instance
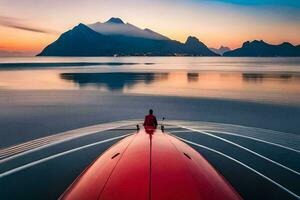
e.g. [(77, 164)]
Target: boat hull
[(150, 165)]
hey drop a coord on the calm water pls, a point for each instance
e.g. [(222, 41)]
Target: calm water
[(44, 96), (275, 80)]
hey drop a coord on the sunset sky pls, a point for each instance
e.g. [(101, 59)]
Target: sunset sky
[(27, 26)]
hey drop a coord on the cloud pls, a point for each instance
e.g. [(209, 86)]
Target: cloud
[(19, 24)]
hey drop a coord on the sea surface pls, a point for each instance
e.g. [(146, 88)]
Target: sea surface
[(40, 96), (241, 114), (270, 80)]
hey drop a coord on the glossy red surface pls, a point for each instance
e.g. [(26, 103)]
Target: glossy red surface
[(150, 165), (91, 182), (130, 178)]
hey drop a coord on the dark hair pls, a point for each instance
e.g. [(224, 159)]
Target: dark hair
[(150, 111)]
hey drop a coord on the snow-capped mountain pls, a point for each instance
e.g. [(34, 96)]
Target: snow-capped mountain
[(115, 26)]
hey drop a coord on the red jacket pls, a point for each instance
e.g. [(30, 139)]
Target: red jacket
[(150, 120)]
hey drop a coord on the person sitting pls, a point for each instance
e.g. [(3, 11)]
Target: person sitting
[(150, 120)]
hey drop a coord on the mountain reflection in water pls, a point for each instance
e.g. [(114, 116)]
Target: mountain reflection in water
[(259, 77), (232, 85), (192, 77), (113, 81)]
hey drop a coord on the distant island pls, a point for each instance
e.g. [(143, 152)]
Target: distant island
[(262, 49), (116, 38)]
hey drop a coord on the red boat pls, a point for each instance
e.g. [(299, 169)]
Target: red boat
[(150, 165)]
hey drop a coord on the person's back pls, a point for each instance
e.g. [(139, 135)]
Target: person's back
[(150, 120)]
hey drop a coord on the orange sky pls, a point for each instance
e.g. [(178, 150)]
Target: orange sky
[(215, 23)]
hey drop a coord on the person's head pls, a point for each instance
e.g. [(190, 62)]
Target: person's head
[(151, 112)]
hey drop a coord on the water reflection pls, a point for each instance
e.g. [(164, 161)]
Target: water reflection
[(274, 87), (256, 86), (192, 77), (259, 77), (113, 81)]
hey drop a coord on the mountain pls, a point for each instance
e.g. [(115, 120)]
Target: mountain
[(262, 49), (194, 46), (80, 41), (221, 50), (114, 37)]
